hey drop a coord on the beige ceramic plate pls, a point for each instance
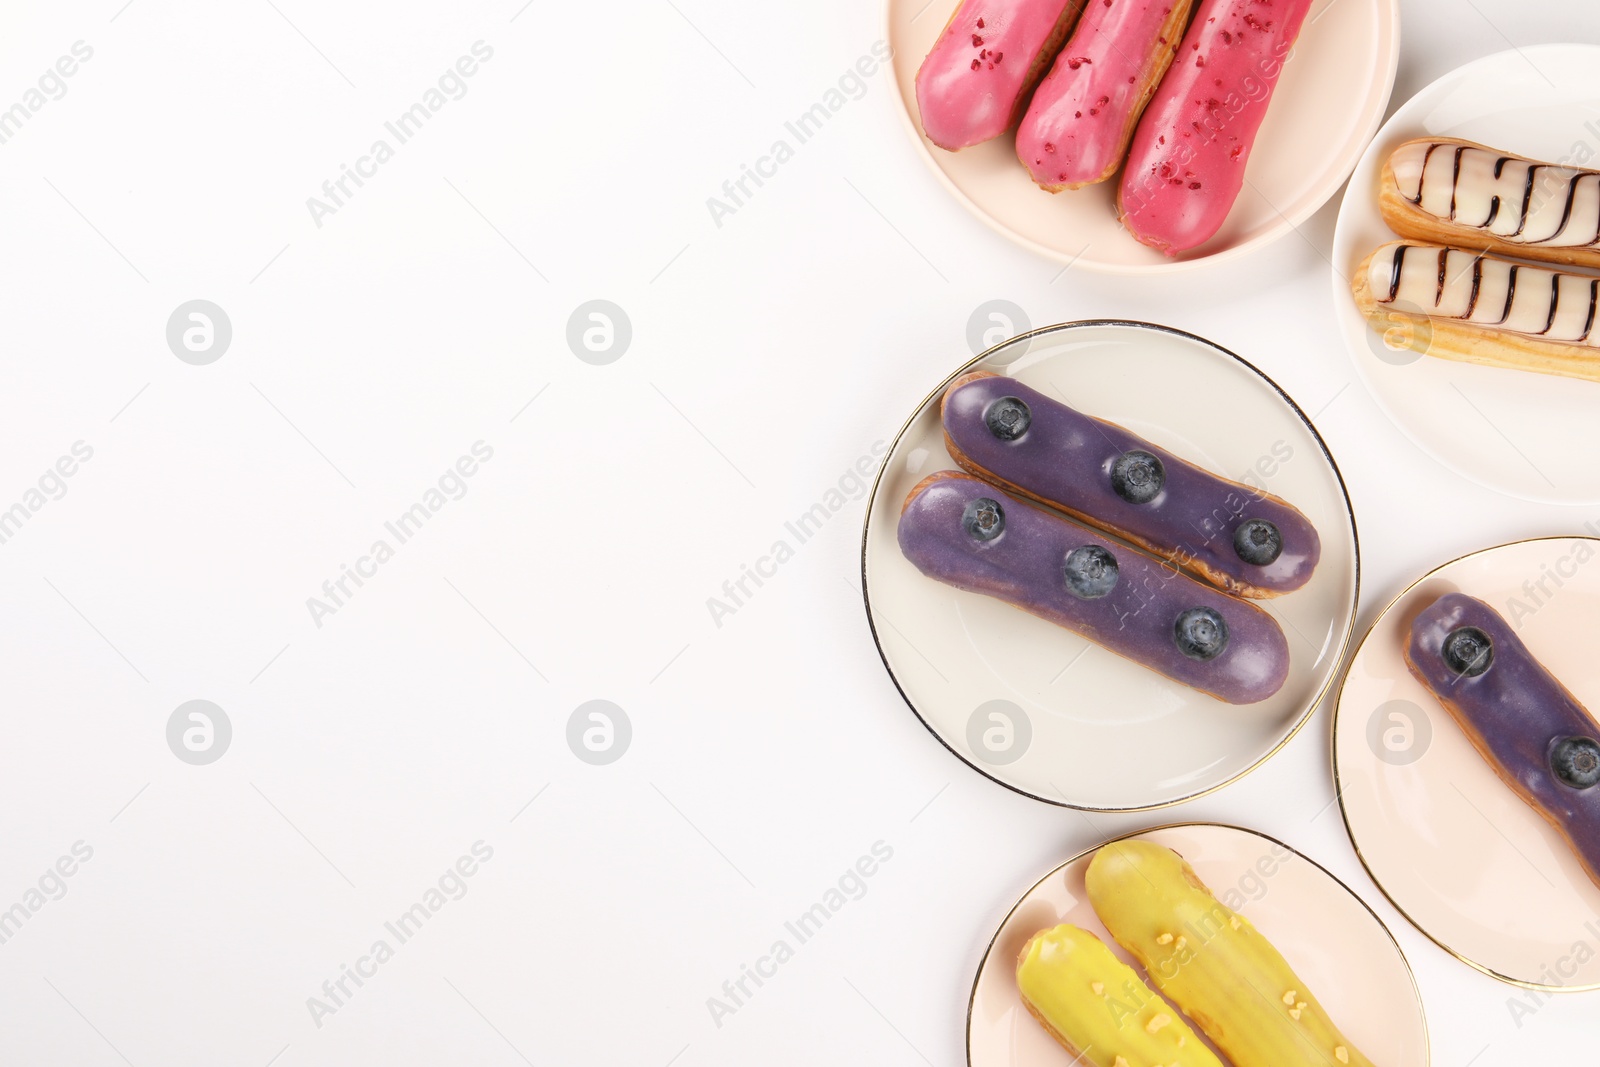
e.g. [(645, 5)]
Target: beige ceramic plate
[(1332, 940), (1458, 852), (1329, 101), (1048, 713), (1529, 435)]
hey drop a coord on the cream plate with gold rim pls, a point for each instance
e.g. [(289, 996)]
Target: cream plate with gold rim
[(1051, 714)]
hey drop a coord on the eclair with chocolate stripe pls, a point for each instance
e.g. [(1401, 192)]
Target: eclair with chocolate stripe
[(1444, 190), (1479, 308)]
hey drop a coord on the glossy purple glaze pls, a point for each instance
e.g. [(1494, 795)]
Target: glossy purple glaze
[(1065, 460), (1513, 713), (1023, 566)]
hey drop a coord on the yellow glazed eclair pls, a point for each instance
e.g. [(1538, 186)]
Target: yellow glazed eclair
[(1098, 1008), (1211, 962)]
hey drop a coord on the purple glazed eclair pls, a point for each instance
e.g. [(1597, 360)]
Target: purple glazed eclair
[(1523, 722), (966, 533), (1242, 540)]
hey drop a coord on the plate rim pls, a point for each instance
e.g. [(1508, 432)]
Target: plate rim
[(1286, 225), (1334, 676), (1338, 788), (1341, 286), (1416, 991)]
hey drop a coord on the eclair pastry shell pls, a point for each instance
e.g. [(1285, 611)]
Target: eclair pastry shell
[(1468, 343), (1409, 220), (1228, 582)]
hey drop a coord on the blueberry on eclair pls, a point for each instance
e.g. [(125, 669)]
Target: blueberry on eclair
[(968, 534), (1521, 719), (1240, 539)]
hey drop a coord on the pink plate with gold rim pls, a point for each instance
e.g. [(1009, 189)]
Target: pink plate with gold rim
[(1334, 942), (1457, 852)]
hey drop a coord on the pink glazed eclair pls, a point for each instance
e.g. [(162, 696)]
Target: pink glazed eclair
[(1189, 153), (1077, 129), (975, 83)]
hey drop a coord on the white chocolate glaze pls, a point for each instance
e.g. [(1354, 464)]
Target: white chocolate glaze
[(1447, 283), (1517, 200)]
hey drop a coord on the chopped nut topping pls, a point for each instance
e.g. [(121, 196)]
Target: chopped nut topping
[(1157, 1021), (1182, 941), (1233, 921), (1097, 987), (1301, 1006), (1294, 1013), (1340, 1054), (1289, 998), (1119, 1062), (1164, 939)]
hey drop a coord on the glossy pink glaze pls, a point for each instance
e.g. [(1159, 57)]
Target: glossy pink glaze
[(1189, 153), (978, 75), (1077, 127)]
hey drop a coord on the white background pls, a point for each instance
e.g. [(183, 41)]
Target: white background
[(368, 354)]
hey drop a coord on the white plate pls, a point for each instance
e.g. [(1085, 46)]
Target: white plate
[(1528, 435), (1333, 941), (1088, 728), (1461, 855), (1328, 102)]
